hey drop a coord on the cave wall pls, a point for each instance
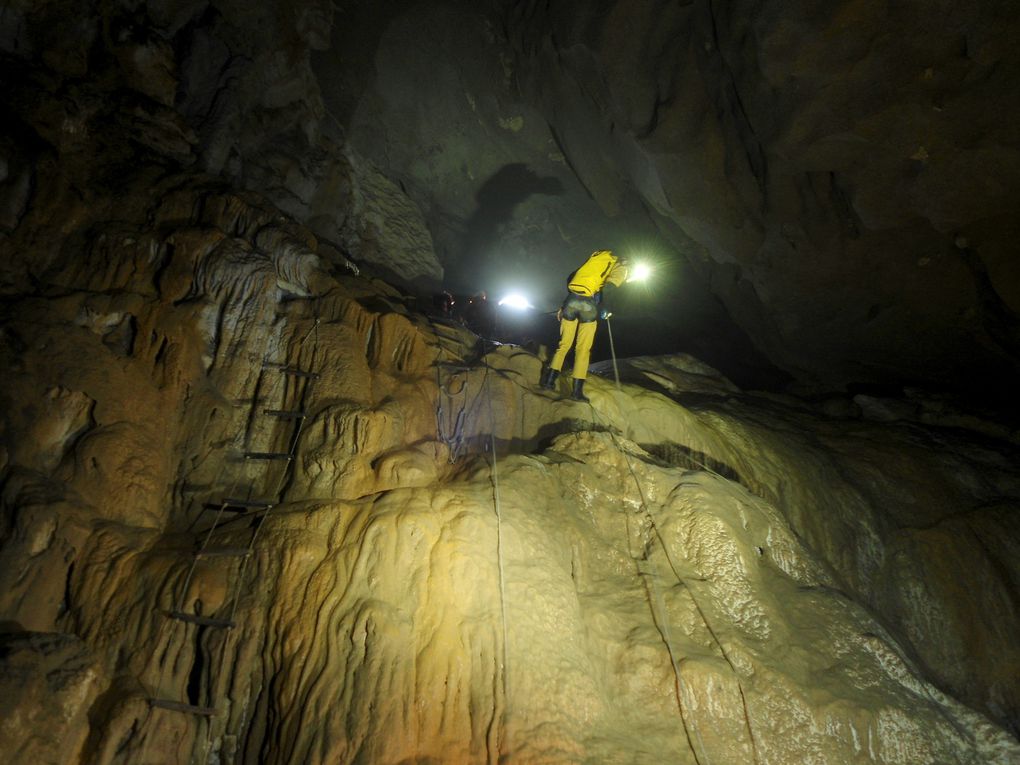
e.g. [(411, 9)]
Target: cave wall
[(133, 92), (456, 567), (840, 175), (789, 568), (848, 165), (832, 181)]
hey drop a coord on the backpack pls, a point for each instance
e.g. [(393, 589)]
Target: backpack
[(589, 279)]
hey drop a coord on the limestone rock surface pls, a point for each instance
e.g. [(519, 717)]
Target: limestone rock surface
[(127, 91), (49, 683), (257, 509)]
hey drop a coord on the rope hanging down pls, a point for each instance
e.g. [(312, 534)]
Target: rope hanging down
[(661, 620), (455, 441), (453, 435), (497, 507), (697, 605), (694, 599)]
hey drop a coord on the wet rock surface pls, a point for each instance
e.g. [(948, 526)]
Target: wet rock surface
[(256, 507), (456, 565)]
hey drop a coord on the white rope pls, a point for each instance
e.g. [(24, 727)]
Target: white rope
[(500, 564), (694, 600), (660, 618), (454, 439)]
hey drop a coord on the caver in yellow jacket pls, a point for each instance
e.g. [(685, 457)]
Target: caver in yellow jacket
[(578, 316), (602, 267)]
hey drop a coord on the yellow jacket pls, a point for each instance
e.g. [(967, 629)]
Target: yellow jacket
[(600, 268)]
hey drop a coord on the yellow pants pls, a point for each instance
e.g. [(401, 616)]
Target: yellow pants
[(582, 352)]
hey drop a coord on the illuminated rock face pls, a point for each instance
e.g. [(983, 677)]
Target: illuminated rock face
[(681, 572), (678, 572)]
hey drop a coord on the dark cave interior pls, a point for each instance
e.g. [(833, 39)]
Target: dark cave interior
[(206, 205), (830, 215)]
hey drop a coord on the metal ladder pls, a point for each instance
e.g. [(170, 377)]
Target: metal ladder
[(256, 511)]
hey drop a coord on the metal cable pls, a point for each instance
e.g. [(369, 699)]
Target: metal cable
[(286, 475)]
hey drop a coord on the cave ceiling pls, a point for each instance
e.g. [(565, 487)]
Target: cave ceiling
[(827, 189)]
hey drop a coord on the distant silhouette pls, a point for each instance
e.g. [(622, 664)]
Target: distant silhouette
[(442, 304), (479, 316)]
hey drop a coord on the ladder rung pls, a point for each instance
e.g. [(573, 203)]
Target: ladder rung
[(180, 706), (215, 507), (223, 552), (268, 456), (252, 504), (204, 621), (287, 370), (284, 414)]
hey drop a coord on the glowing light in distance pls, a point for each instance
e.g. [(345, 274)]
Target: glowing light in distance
[(640, 272), (516, 300)]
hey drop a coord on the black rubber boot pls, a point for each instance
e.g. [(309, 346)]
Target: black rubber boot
[(578, 394), (549, 378)]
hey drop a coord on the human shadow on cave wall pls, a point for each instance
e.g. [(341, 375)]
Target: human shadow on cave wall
[(497, 199)]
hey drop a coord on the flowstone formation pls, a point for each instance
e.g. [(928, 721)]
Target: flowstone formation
[(258, 508)]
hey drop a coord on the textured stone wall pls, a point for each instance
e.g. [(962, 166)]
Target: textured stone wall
[(679, 570), (457, 567), (848, 168), (226, 88)]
